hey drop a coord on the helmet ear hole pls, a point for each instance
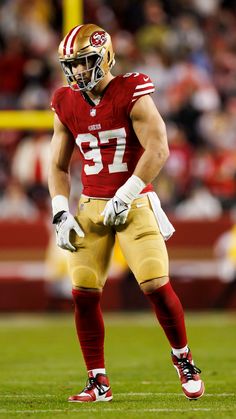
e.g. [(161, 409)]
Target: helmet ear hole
[(108, 56)]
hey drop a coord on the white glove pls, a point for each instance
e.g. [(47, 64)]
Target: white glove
[(115, 212), (65, 222)]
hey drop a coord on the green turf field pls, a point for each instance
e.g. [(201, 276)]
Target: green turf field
[(41, 366)]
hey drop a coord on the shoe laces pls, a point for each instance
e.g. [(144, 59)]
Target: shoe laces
[(188, 369), (93, 383)]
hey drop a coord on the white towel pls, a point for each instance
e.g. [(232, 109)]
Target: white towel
[(165, 226)]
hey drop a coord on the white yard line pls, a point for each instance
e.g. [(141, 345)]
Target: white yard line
[(116, 409), (75, 383), (2, 396), (173, 394)]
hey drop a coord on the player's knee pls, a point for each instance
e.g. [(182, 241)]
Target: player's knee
[(85, 278), (151, 267), (152, 285)]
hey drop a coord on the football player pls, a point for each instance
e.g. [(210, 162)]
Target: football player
[(121, 138)]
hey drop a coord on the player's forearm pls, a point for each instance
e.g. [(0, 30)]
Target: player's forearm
[(59, 188), (58, 182), (150, 164), (147, 169)]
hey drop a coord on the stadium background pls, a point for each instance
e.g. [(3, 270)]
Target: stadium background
[(188, 49)]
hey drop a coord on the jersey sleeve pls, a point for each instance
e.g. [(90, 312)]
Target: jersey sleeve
[(58, 102), (138, 85)]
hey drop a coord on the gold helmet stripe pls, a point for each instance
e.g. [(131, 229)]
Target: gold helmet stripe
[(70, 39)]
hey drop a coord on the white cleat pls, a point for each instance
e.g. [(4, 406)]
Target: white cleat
[(97, 390), (189, 375)]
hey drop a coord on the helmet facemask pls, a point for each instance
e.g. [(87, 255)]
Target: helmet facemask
[(78, 80)]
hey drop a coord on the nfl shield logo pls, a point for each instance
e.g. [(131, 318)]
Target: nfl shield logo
[(92, 112)]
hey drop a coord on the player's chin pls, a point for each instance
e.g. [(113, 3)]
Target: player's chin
[(82, 80)]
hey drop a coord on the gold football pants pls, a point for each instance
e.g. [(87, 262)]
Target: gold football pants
[(140, 240)]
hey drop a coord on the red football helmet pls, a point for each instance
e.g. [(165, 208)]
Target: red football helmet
[(92, 44)]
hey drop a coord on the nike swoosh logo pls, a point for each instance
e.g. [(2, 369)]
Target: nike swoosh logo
[(102, 390), (145, 78), (116, 206)]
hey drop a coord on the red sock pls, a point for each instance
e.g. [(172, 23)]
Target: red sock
[(90, 327), (169, 312)]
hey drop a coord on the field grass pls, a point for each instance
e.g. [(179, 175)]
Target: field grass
[(41, 366)]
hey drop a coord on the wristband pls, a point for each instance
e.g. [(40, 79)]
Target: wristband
[(131, 189), (59, 203)]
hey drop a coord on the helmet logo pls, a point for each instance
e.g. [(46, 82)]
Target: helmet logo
[(98, 38)]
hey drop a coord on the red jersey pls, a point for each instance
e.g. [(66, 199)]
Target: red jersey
[(108, 145)]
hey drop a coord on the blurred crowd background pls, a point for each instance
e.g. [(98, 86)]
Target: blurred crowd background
[(188, 47)]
